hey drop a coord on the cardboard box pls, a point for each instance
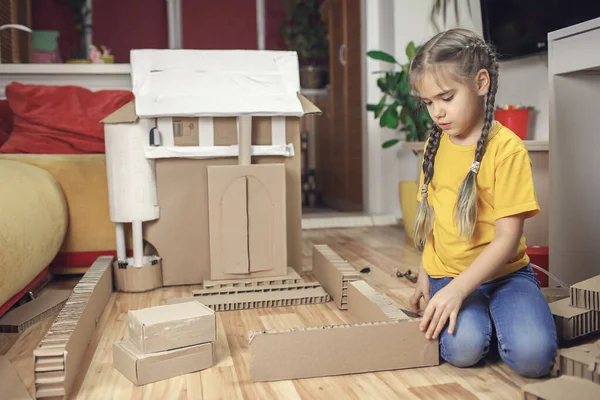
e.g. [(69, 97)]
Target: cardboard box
[(171, 326), (565, 387), (142, 369), (185, 118)]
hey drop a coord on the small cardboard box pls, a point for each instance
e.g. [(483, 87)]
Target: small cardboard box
[(171, 326), (142, 369)]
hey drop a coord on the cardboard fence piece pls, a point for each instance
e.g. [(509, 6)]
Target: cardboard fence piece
[(564, 387), (205, 165), (382, 339), (229, 299), (57, 357), (366, 304), (334, 273), (291, 277), (581, 361), (586, 294), (572, 322)]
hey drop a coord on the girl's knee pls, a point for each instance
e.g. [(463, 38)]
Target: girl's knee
[(464, 348), (533, 356)]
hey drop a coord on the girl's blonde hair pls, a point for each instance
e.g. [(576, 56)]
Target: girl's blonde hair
[(463, 54)]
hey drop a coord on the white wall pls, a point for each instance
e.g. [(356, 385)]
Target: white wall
[(390, 25)]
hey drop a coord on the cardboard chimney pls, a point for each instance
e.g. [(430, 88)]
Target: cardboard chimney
[(205, 166)]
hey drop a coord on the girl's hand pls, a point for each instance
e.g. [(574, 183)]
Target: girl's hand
[(445, 304), (421, 290)]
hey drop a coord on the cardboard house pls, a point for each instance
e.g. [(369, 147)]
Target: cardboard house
[(205, 166)]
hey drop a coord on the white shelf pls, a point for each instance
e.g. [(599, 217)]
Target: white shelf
[(65, 69)]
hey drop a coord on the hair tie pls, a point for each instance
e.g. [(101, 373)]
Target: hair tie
[(424, 191), (475, 167)]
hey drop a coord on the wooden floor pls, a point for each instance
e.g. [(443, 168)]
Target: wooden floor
[(383, 249)]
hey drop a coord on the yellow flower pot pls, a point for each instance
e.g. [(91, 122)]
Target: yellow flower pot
[(407, 193)]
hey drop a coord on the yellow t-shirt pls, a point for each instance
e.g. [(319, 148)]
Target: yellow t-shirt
[(504, 187)]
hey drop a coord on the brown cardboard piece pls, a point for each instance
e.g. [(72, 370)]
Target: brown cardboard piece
[(339, 349), (334, 273), (586, 294), (181, 234), (259, 297), (11, 385), (142, 369), (291, 277), (168, 327), (571, 322), (582, 361), (387, 340), (30, 313), (57, 357), (185, 131), (247, 221), (366, 304), (133, 279), (564, 387)]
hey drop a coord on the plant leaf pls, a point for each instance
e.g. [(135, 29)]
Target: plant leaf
[(382, 83), (389, 118), (403, 115), (411, 50), (389, 143), (381, 56), (380, 106)]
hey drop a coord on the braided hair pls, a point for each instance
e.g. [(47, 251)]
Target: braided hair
[(468, 53)]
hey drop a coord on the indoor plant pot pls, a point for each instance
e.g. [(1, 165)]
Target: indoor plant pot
[(407, 194)]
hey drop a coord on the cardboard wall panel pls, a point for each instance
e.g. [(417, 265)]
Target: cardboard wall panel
[(366, 304), (586, 294), (333, 273), (572, 322), (339, 349)]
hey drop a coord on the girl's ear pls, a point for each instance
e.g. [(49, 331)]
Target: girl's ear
[(482, 82)]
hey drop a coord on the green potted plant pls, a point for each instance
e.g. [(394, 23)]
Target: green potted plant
[(304, 31), (398, 109)]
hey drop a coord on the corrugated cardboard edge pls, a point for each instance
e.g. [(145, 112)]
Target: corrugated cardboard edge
[(564, 387), (334, 273), (586, 294), (365, 304), (95, 288), (582, 361), (48, 303), (291, 277), (572, 322), (259, 299), (339, 349), (135, 280)]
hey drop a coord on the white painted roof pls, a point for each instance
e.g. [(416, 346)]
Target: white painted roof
[(186, 82)]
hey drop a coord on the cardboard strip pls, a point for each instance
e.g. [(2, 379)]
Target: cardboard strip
[(339, 349), (291, 277), (564, 387), (366, 304), (571, 322), (69, 335), (244, 301), (255, 289), (138, 279), (207, 131), (22, 317), (151, 152), (581, 361), (277, 130), (334, 273), (586, 294)]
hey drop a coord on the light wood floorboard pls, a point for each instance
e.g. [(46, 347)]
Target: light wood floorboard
[(383, 249)]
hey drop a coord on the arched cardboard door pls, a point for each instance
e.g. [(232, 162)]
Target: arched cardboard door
[(247, 221)]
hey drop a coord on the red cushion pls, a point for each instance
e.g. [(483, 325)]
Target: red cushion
[(59, 119)]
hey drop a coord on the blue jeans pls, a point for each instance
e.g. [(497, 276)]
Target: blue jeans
[(510, 310)]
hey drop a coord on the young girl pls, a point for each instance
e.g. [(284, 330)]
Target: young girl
[(475, 275)]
